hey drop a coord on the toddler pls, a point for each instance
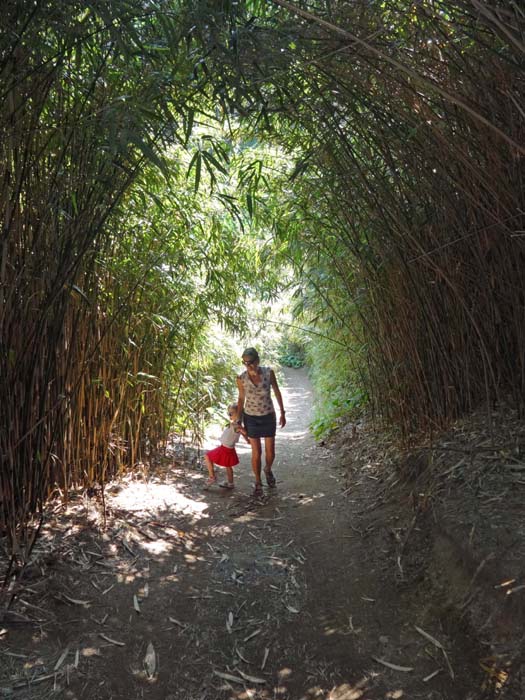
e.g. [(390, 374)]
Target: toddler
[(225, 455)]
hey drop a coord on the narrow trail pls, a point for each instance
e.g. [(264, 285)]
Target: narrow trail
[(192, 595)]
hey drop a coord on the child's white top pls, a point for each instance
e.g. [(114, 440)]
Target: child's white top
[(230, 436)]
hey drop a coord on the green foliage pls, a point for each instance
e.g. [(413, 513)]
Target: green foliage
[(292, 359), (339, 393), (292, 347)]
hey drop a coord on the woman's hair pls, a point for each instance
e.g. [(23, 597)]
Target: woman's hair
[(251, 352)]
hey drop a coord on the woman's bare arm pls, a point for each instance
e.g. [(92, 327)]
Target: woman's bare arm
[(279, 398), (240, 398)]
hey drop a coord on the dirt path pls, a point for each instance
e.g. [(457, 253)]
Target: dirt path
[(192, 595)]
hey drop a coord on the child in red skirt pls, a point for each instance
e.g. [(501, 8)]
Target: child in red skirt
[(225, 455)]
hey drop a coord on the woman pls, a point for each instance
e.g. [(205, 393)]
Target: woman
[(255, 403)]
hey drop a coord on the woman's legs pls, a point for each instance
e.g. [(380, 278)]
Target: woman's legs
[(269, 453), (269, 456), (255, 444)]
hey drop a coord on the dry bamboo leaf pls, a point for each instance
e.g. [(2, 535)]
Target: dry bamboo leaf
[(253, 634), (450, 669), (77, 658), (148, 535), (394, 667), (292, 610), (111, 641), (176, 622), (74, 601), (229, 622), (150, 660), (94, 554), (429, 637), (38, 679), (136, 603), (506, 583), (107, 590), (265, 658), (242, 657), (229, 677), (145, 590), (128, 548), (431, 675), (252, 679), (61, 659)]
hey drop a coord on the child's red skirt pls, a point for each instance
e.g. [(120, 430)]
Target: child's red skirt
[(224, 456)]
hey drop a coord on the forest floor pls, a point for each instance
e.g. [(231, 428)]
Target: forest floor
[(364, 574)]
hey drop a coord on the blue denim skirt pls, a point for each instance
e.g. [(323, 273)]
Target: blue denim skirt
[(260, 426)]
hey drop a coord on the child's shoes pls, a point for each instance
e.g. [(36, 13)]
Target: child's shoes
[(227, 485), (209, 483)]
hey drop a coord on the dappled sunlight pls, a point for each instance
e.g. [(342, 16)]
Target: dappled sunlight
[(302, 498), (356, 690), (139, 497), (289, 435), (155, 559), (157, 547)]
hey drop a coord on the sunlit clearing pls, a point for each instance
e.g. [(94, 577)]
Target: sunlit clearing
[(32, 664), (395, 695), (139, 496)]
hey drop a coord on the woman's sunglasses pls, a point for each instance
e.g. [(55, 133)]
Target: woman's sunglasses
[(249, 362)]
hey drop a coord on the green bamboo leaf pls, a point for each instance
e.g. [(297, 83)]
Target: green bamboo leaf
[(211, 159), (195, 164), (149, 153), (188, 126)]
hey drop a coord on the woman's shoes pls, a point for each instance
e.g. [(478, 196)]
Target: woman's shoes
[(258, 490), (270, 478)]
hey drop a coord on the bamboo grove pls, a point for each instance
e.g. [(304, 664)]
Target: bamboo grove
[(111, 262), (402, 215), (408, 119)]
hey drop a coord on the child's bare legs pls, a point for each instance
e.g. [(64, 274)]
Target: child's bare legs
[(229, 476), (212, 479)]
